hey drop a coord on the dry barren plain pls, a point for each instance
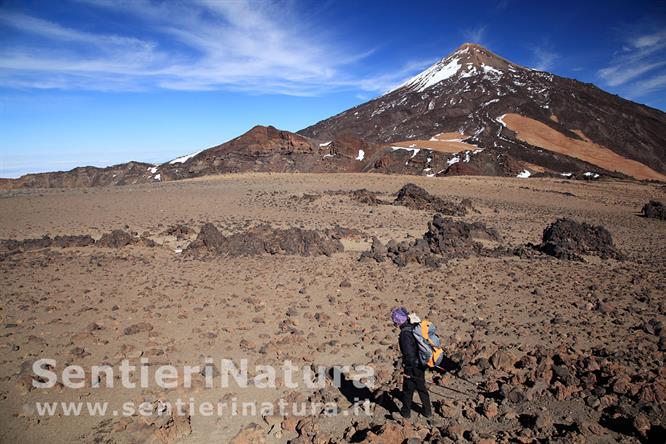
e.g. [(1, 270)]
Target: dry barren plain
[(549, 349)]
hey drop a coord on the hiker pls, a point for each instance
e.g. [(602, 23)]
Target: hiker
[(414, 371)]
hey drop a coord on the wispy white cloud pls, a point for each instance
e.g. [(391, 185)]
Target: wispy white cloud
[(620, 74), (51, 30), (640, 55), (201, 45), (388, 81), (650, 40), (647, 86), (543, 58), (502, 4), (475, 35)]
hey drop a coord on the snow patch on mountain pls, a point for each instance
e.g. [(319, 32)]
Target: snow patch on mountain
[(414, 151), (438, 72), (183, 159)]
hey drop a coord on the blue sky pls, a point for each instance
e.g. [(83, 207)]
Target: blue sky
[(98, 82)]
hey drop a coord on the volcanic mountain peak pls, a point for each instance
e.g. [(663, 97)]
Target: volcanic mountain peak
[(467, 61), (552, 124), (478, 56)]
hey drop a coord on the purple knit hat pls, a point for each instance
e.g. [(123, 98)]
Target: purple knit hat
[(399, 315)]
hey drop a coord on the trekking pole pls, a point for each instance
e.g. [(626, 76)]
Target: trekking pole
[(458, 376), (452, 389), (448, 388), (441, 395)]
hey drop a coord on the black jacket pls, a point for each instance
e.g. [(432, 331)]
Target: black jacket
[(409, 349)]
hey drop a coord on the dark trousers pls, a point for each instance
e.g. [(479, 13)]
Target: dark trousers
[(415, 381)]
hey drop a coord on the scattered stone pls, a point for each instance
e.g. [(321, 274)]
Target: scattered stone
[(167, 427), (338, 232), (180, 231), (250, 434), (642, 424), (502, 361), (377, 251), (79, 352), (141, 327), (544, 421), (490, 409)]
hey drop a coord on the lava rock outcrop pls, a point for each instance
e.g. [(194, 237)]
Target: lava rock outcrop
[(66, 241), (569, 240), (654, 210), (263, 239), (445, 239), (416, 198), (117, 239), (114, 239)]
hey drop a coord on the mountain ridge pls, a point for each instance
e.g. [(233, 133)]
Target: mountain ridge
[(468, 101), (472, 112)]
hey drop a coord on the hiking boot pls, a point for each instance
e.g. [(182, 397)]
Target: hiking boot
[(406, 414)]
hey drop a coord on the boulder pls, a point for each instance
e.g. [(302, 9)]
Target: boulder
[(416, 198), (568, 239), (654, 210), (117, 239)]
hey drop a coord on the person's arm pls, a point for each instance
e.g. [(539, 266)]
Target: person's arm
[(409, 351)]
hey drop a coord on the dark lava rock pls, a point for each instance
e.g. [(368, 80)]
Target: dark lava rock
[(338, 232), (26, 244), (445, 239), (180, 231), (654, 210), (13, 245), (138, 328), (377, 251), (366, 197), (414, 197), (117, 239), (82, 240), (448, 237), (264, 239), (568, 239)]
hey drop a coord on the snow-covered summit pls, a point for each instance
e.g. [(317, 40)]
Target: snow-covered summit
[(468, 60)]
